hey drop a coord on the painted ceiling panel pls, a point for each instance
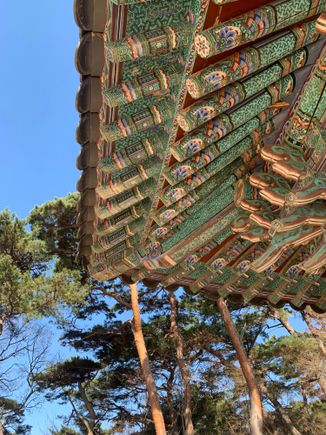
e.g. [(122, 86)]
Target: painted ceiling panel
[(203, 146)]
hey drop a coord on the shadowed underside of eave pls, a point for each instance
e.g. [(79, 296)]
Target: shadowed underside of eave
[(170, 132)]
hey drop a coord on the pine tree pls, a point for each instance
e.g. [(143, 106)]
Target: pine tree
[(192, 357)]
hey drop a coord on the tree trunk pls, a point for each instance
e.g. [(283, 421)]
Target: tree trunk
[(90, 431), (89, 427), (287, 325), (280, 410), (178, 341), (307, 318), (256, 408), (288, 422), (322, 384), (145, 365), (312, 330), (173, 430), (90, 409)]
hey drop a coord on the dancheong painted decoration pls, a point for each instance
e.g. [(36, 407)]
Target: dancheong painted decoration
[(203, 146)]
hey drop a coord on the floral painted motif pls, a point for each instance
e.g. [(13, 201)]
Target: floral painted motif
[(302, 59), (202, 46), (191, 260), (216, 78), (243, 266), (206, 156), (194, 145), (268, 128), (219, 264), (270, 270), (161, 233), (193, 88), (183, 172), (204, 113), (168, 214), (176, 194), (293, 271), (218, 127), (154, 249), (228, 37), (186, 202), (206, 249)]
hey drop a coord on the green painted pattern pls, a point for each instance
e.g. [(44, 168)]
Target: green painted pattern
[(221, 125), (249, 60), (189, 209), (152, 115), (180, 171), (254, 24), (136, 147), (201, 239), (306, 120), (154, 81)]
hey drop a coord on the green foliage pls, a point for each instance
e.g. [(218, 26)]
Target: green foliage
[(55, 224), (68, 373), (118, 386), (27, 284), (12, 416), (63, 431), (218, 413), (28, 254), (29, 287), (40, 276), (25, 294)]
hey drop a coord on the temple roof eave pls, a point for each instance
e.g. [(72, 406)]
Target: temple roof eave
[(127, 172)]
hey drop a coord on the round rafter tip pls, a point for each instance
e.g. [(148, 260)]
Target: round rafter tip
[(91, 15), (88, 180), (89, 58), (89, 95), (86, 215), (88, 129), (88, 156)]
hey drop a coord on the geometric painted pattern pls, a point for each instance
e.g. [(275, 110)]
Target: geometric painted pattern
[(203, 147)]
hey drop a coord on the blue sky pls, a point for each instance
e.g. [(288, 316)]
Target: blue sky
[(38, 119)]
